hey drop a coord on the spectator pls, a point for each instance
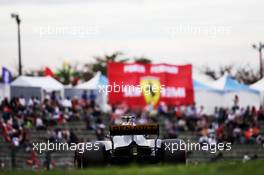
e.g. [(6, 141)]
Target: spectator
[(39, 124), (85, 95)]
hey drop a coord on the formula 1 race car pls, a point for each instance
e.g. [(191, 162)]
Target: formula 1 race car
[(129, 143)]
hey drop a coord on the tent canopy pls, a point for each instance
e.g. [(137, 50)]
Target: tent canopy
[(94, 83), (47, 83), (259, 85), (206, 96), (201, 77), (227, 84), (222, 92), (198, 86)]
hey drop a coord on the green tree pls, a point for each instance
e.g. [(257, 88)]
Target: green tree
[(244, 74), (142, 60), (101, 61), (64, 74)]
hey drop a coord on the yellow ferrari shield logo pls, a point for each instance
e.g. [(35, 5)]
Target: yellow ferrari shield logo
[(150, 87)]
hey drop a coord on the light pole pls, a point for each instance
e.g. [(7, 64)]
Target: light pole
[(18, 20), (259, 48)]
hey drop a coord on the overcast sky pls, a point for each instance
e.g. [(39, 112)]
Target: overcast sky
[(202, 32)]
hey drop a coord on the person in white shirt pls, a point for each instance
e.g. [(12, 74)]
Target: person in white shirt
[(22, 101)]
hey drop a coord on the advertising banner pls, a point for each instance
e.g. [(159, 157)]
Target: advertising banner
[(142, 84)]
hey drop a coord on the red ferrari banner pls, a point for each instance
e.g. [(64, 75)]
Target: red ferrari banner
[(141, 84)]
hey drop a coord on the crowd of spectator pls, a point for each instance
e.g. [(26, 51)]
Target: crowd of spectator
[(236, 124), (18, 116)]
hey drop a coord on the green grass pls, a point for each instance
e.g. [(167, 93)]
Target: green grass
[(224, 168)]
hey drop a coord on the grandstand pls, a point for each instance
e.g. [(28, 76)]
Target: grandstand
[(65, 159)]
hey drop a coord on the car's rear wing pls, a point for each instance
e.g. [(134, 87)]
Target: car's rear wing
[(152, 129)]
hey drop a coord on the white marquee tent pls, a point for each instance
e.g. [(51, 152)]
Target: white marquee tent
[(94, 83), (35, 86), (206, 96), (259, 85), (91, 86), (230, 88)]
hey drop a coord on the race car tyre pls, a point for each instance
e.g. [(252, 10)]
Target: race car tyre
[(94, 157), (172, 151)]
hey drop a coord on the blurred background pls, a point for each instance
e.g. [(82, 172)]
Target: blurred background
[(54, 57)]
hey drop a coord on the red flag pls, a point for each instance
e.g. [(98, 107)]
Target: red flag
[(48, 72)]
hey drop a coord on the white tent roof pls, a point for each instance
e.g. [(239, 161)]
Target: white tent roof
[(47, 83), (91, 84), (227, 84), (259, 85), (220, 83), (202, 78)]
